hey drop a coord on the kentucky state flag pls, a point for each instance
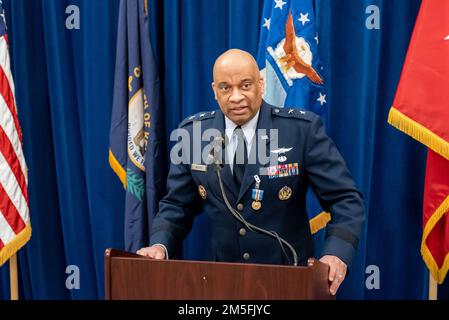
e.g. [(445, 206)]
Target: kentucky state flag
[(137, 125), (288, 59)]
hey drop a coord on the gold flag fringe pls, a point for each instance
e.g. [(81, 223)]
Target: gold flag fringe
[(438, 273), (319, 222), (119, 171), (18, 242), (418, 132)]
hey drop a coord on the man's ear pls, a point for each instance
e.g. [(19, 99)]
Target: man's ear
[(215, 90), (262, 85)]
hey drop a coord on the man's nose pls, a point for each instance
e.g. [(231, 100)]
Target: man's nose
[(236, 95)]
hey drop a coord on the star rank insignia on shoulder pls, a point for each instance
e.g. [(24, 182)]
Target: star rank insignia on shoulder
[(293, 113), (198, 117)]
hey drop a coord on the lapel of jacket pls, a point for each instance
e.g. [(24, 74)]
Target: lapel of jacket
[(226, 174)]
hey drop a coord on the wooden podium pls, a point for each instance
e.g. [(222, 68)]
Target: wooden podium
[(130, 276)]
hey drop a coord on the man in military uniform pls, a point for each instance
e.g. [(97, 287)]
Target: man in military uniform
[(274, 200)]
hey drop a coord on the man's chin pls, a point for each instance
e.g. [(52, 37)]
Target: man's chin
[(240, 119), (239, 115)]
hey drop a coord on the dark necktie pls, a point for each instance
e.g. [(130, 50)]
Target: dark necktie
[(240, 157)]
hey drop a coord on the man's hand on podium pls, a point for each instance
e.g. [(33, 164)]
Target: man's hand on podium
[(155, 252), (337, 272)]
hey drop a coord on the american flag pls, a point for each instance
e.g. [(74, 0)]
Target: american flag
[(15, 228)]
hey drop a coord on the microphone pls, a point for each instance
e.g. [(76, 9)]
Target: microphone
[(218, 146), (216, 152)]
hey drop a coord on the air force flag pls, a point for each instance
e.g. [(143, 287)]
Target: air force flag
[(288, 59), (288, 56)]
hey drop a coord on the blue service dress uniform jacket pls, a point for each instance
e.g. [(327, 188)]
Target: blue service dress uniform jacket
[(314, 162)]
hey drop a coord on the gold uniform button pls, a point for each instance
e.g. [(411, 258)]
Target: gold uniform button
[(240, 207), (242, 232), (246, 256)]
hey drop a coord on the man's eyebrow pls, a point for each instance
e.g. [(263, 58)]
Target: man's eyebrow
[(222, 84), (247, 80)]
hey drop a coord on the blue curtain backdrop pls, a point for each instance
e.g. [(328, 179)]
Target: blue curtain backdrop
[(64, 82)]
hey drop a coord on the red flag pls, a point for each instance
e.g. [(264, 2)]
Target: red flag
[(421, 109), (15, 228)]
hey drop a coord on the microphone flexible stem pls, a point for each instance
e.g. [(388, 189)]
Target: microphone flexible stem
[(254, 228)]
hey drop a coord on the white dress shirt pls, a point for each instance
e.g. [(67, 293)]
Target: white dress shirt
[(249, 130)]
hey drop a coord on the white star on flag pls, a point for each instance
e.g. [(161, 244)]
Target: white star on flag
[(267, 23), (304, 18), (322, 99), (316, 38), (447, 38), (279, 4)]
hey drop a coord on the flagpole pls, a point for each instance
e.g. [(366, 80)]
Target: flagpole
[(433, 288), (13, 276)]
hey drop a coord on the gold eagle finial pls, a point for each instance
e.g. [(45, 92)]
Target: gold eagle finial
[(292, 57)]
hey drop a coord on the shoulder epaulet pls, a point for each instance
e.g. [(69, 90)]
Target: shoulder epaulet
[(293, 113), (200, 116)]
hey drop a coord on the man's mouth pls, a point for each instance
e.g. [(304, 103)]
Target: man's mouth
[(239, 110)]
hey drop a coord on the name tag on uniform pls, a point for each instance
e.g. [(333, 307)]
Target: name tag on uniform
[(199, 167)]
